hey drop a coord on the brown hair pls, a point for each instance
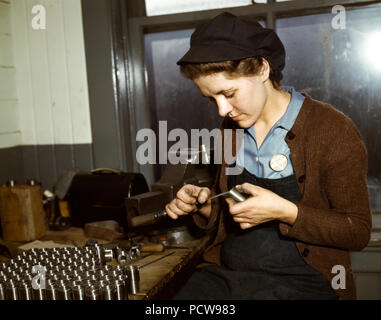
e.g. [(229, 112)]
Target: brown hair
[(234, 68)]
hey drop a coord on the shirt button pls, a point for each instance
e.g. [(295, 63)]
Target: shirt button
[(256, 159), (302, 179), (305, 252), (290, 135)]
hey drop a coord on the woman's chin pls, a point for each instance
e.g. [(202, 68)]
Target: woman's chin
[(244, 124)]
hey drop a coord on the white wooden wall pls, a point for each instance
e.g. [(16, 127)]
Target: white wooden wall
[(9, 123), (43, 91)]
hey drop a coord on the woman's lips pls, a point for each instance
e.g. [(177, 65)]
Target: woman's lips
[(235, 118)]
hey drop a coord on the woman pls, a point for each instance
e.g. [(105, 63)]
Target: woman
[(304, 166)]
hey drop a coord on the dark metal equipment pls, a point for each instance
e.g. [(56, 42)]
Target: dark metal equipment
[(100, 195), (192, 169)]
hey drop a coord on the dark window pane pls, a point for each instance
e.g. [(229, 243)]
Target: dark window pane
[(172, 97), (336, 66)]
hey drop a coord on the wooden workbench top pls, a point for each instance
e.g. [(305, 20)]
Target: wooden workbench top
[(165, 275)]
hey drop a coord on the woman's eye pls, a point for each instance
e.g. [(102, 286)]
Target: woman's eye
[(229, 96)]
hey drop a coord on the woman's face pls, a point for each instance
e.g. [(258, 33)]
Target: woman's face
[(242, 99)]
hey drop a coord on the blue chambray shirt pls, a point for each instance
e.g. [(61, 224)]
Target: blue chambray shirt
[(257, 161)]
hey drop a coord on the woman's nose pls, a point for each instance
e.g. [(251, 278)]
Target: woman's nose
[(224, 107)]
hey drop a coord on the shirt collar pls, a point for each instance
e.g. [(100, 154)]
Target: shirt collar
[(287, 120), (296, 102)]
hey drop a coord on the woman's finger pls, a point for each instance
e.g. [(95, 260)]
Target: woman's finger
[(246, 225), (176, 210), (237, 207), (183, 206), (188, 193), (249, 188), (170, 213), (204, 194)]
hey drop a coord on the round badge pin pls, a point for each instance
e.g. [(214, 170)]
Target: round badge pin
[(278, 162)]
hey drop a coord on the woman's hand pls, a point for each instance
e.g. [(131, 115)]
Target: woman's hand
[(263, 206), (185, 202)]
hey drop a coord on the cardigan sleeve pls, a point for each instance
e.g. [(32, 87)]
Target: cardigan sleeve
[(205, 223), (201, 221), (210, 223), (346, 223)]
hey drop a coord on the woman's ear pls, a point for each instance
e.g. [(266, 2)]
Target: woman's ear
[(265, 70)]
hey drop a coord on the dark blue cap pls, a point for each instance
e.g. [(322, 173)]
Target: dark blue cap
[(227, 37)]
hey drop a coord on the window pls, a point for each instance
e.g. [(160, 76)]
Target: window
[(158, 7), (338, 67)]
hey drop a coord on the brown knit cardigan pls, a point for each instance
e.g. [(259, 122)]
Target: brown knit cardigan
[(330, 163)]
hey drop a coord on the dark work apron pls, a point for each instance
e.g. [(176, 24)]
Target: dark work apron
[(259, 263)]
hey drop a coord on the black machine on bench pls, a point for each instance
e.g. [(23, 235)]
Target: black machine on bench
[(141, 208), (109, 194)]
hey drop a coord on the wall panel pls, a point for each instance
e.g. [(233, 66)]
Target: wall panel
[(44, 105)]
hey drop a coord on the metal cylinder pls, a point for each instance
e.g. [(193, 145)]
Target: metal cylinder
[(133, 274), (103, 283), (121, 290), (2, 291), (90, 283), (108, 255), (236, 195), (26, 292), (53, 292), (67, 293), (31, 182), (11, 291), (79, 292), (39, 294), (10, 183), (109, 292), (93, 293)]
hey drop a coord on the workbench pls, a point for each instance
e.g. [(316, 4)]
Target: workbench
[(158, 280)]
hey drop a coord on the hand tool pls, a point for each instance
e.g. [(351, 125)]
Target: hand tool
[(150, 218)]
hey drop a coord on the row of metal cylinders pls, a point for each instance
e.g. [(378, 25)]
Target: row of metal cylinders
[(87, 269), (59, 268), (68, 250), (65, 276), (58, 264), (75, 258), (116, 290)]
